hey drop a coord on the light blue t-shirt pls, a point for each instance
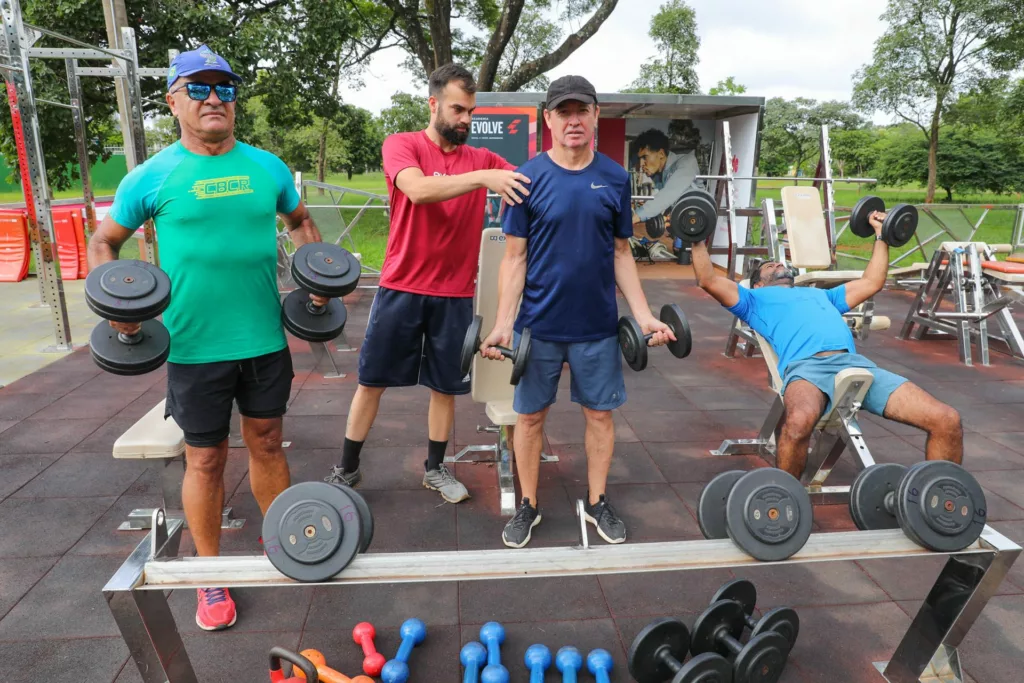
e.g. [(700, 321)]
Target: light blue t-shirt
[(781, 315)]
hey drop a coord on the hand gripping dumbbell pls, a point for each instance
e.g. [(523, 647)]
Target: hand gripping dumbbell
[(659, 650), (569, 661), (128, 292), (471, 344), (537, 660), (599, 663), (373, 661), (492, 635), (633, 341), (473, 656), (298, 662), (899, 225), (782, 620), (937, 503), (413, 633), (719, 629), (323, 269), (325, 673)]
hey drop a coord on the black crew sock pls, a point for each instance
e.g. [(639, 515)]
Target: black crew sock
[(350, 455), (435, 454)]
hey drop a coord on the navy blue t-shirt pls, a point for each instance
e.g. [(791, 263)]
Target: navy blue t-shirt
[(570, 222)]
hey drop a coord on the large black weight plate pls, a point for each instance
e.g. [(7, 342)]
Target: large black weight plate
[(768, 514), (655, 226), (711, 504), (725, 615), (118, 358), (694, 217), (325, 269), (865, 206), (646, 654), (706, 668), (127, 291), (868, 493), (300, 320), (901, 501), (365, 517), (781, 620), (673, 316), (470, 345), (900, 225), (943, 505), (312, 531), (762, 659), (632, 343), (740, 590), (522, 352)]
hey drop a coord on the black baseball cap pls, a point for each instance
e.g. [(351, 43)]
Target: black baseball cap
[(570, 88)]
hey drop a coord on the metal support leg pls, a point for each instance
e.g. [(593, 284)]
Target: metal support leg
[(170, 483), (963, 325), (506, 476), (763, 445)]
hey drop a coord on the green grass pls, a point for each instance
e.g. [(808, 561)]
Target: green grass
[(370, 234)]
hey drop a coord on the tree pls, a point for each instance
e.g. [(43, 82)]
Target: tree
[(792, 129), (933, 50), (674, 32), (728, 86), (406, 113), (854, 150)]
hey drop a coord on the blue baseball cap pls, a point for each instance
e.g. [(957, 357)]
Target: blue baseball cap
[(200, 59)]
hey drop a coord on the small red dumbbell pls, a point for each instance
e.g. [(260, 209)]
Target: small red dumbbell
[(363, 634), (299, 663)]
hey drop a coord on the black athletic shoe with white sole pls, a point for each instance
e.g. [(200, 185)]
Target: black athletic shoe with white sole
[(518, 529), (602, 515)]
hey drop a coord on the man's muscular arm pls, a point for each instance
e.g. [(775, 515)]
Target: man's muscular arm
[(511, 281), (424, 189), (724, 290), (301, 228)]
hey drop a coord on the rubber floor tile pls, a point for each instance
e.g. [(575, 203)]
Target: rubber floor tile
[(806, 585), (46, 527), (43, 435), (17, 576), (336, 609), (63, 661), (692, 462), (661, 426), (84, 474), (631, 464), (547, 599), (20, 469)]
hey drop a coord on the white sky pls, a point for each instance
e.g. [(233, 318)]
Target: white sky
[(785, 48)]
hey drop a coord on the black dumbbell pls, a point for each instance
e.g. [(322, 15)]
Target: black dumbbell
[(658, 652), (782, 620), (899, 225), (633, 341), (938, 504), (129, 292), (655, 226), (323, 269), (719, 628), (694, 216), (518, 356)]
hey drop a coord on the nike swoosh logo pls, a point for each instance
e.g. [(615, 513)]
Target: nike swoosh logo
[(596, 187)]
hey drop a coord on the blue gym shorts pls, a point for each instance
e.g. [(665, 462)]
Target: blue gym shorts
[(595, 369), (821, 371)]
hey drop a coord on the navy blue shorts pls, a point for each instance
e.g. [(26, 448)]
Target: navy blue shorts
[(595, 369), (415, 339)]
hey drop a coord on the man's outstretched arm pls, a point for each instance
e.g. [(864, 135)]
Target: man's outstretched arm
[(724, 290)]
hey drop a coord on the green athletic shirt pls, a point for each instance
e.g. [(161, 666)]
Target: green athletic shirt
[(216, 225)]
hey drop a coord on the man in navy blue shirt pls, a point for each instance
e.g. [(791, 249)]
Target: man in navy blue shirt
[(805, 328), (566, 250)]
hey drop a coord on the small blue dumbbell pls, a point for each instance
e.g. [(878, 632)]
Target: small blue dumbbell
[(537, 660), (569, 661), (413, 633), (600, 664), (473, 656)]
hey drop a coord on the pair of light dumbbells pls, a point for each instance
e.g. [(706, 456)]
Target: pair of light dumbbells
[(482, 660)]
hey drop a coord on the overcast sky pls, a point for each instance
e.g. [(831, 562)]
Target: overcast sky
[(785, 48)]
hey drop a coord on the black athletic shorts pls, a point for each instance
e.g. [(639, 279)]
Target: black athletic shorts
[(415, 339), (199, 396)]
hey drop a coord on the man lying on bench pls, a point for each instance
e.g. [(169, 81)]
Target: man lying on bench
[(805, 327)]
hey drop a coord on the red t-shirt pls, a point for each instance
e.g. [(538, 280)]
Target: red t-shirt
[(434, 248)]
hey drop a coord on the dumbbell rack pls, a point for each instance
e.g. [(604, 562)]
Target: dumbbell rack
[(137, 593)]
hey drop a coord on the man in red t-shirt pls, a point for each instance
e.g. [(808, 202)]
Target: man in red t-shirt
[(437, 187)]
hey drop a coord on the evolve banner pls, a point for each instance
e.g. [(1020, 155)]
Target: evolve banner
[(508, 131)]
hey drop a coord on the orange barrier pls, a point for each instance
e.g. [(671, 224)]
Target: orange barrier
[(1016, 258), (67, 243), (14, 247), (1002, 267)]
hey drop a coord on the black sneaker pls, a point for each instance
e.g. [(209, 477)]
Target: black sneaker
[(517, 530), (608, 524), (340, 476)]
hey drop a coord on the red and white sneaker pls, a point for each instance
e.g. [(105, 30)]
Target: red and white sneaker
[(216, 610)]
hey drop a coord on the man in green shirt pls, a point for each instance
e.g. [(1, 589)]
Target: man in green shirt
[(214, 202)]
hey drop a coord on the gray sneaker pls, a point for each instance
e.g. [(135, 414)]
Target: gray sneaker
[(609, 525), (443, 481), (340, 476), (519, 529)]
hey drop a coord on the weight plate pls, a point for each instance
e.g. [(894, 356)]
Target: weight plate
[(694, 217), (711, 504), (522, 355), (868, 494), (365, 517), (303, 321), (781, 620), (127, 291), (120, 358), (673, 316), (632, 343), (312, 531), (647, 655), (943, 505), (739, 590), (724, 615), (655, 226), (901, 496), (325, 269), (762, 659), (865, 206), (900, 225), (470, 345), (768, 514), (705, 668)]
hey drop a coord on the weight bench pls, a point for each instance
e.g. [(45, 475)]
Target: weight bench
[(154, 438), (490, 380), (980, 288), (834, 432)]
